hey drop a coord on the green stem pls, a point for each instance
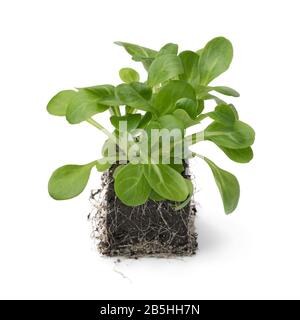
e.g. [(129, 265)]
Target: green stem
[(105, 131), (100, 127), (195, 154), (117, 111), (130, 110), (195, 137)]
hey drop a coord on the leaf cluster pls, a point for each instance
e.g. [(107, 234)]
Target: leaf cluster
[(174, 96)]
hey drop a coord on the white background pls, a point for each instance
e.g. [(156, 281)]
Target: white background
[(45, 248)]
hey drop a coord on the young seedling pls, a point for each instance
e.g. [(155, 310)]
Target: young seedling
[(171, 99)]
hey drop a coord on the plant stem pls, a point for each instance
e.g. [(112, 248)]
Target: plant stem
[(117, 111), (195, 137), (100, 127), (130, 110), (195, 154), (105, 131)]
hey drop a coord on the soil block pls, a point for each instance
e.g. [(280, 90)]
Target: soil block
[(151, 229)]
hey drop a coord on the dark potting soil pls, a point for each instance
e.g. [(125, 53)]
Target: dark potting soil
[(152, 229)]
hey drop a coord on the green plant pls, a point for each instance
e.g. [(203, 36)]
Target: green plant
[(172, 97)]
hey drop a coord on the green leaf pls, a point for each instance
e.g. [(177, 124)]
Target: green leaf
[(145, 120), (215, 59), (238, 136), (165, 122), (224, 114), (131, 187), (58, 105), (84, 105), (202, 91), (227, 91), (102, 165), (189, 105), (244, 155), (176, 166), (105, 94), (187, 201), (234, 111), (69, 181), (167, 182), (117, 169), (201, 117), (190, 62), (179, 168), (228, 186), (213, 97), (139, 53), (145, 61), (169, 121), (132, 121), (163, 68), (135, 95), (190, 186), (168, 48), (165, 100), (129, 75), (155, 196), (199, 52), (185, 118), (200, 106)]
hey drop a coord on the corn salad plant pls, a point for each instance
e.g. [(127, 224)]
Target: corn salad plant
[(173, 97)]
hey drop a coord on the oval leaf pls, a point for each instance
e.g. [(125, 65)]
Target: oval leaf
[(227, 91), (168, 48), (132, 121), (187, 201), (224, 114), (169, 121), (136, 50), (189, 105), (215, 59), (163, 68), (69, 181), (139, 53), (129, 75), (244, 155), (167, 182), (136, 95), (58, 105), (84, 105), (228, 186), (155, 196), (238, 136), (190, 62), (131, 186), (165, 100), (105, 93), (185, 118)]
